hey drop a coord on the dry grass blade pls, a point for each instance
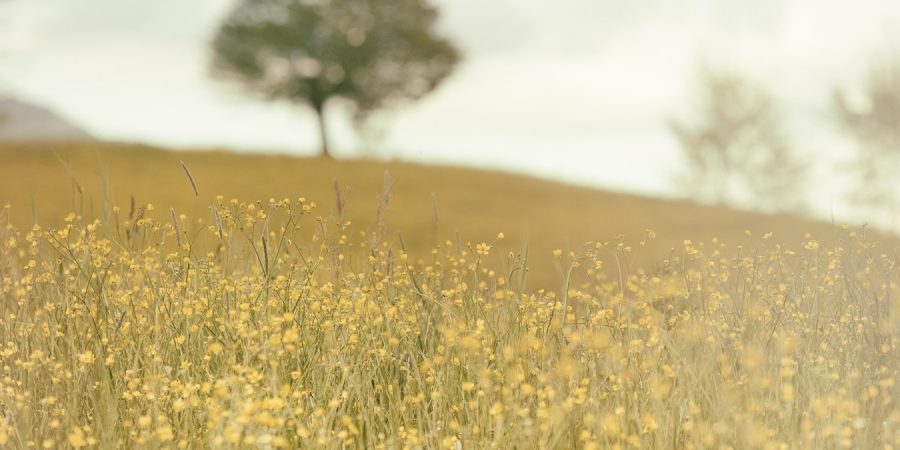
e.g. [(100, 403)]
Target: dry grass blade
[(218, 221), (434, 210), (177, 226), (190, 178), (339, 202), (387, 195)]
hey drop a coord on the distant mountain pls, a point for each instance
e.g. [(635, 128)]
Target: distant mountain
[(20, 121)]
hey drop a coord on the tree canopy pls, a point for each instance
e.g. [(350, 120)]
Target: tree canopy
[(372, 53), (873, 123), (736, 148)]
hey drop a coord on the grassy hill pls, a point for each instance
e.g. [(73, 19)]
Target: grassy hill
[(428, 205)]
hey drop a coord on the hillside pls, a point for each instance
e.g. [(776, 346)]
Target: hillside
[(21, 121), (429, 205)]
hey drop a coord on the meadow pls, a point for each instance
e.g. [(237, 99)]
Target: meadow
[(192, 318), (426, 206)]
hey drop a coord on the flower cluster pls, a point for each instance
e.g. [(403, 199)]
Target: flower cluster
[(265, 327)]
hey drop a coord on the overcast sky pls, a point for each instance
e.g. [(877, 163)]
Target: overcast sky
[(573, 89)]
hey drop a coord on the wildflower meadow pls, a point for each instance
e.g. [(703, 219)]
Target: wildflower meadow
[(267, 325)]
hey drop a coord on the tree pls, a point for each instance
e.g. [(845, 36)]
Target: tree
[(372, 53), (736, 149), (874, 122)]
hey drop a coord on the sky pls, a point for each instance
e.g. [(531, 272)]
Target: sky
[(573, 90)]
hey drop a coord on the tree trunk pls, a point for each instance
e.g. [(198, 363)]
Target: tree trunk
[(323, 131)]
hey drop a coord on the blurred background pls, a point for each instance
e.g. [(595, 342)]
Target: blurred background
[(774, 105)]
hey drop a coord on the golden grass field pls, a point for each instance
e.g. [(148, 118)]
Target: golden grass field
[(469, 205), (207, 322)]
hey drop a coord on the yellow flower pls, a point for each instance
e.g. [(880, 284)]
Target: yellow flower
[(165, 433), (77, 438), (215, 348), (86, 357)]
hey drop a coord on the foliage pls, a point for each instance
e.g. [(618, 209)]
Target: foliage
[(873, 123), (127, 334), (372, 53), (736, 150)]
